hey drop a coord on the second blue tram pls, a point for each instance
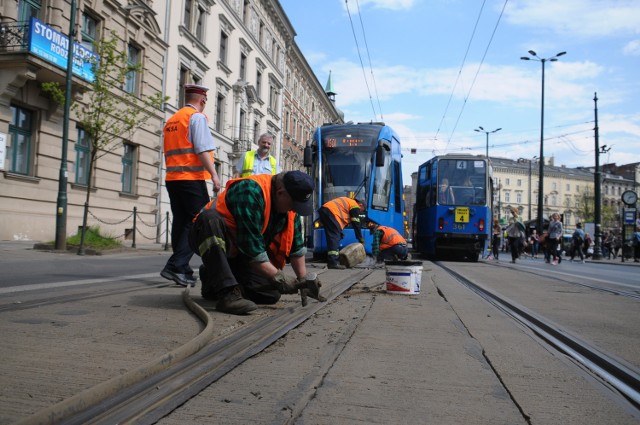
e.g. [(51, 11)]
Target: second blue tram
[(357, 160), (452, 217)]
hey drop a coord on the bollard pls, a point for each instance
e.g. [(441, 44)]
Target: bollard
[(135, 213), (166, 233)]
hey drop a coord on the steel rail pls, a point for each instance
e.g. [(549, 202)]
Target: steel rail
[(620, 375), (149, 400)]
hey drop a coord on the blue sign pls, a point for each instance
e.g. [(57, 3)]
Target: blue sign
[(629, 215), (53, 46)]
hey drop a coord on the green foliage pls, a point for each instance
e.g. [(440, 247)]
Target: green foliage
[(94, 239)]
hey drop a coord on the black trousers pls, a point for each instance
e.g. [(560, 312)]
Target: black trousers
[(397, 251), (333, 234), (187, 197), (211, 239)]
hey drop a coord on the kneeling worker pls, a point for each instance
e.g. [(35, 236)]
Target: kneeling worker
[(247, 237), (335, 215), (388, 244)]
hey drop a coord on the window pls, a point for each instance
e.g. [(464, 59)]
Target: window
[(554, 186), (21, 143), (519, 198), (507, 182), (83, 157), (242, 134), (28, 9), (568, 187), (273, 98), (219, 112), (128, 167), (578, 188), (554, 200), (243, 67), (201, 14), (507, 196), (259, 84), (224, 40), (519, 183), (133, 60), (89, 31), (188, 4)]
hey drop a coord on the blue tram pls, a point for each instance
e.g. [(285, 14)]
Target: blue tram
[(452, 218), (356, 160)]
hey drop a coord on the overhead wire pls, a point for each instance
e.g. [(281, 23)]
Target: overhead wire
[(464, 59), (486, 50), (353, 30), (366, 45)]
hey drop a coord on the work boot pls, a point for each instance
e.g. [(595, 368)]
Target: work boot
[(231, 302), (335, 266)]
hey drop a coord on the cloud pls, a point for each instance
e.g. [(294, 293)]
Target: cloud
[(581, 18), (632, 48), (386, 4)]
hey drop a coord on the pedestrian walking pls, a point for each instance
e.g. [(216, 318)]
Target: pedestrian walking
[(515, 233), (495, 240), (555, 235), (577, 240), (188, 154)]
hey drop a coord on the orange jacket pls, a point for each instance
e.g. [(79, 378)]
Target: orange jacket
[(341, 209), (280, 247), (180, 158), (390, 237)]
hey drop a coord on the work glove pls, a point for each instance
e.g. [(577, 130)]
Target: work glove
[(310, 287), (361, 241), (284, 284)]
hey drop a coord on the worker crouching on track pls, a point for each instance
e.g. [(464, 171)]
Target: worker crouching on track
[(247, 237), (335, 215), (388, 244)]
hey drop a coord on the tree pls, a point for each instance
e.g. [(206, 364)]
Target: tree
[(111, 114)]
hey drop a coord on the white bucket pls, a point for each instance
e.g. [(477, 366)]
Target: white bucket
[(403, 277)]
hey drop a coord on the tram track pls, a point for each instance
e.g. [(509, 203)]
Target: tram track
[(145, 395), (614, 373), (540, 272)]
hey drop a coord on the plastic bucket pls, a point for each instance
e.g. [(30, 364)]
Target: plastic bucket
[(403, 277)]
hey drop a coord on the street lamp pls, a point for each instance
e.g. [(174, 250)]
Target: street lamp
[(482, 130), (535, 57)]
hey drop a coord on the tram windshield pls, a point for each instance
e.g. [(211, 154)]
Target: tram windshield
[(462, 182), (344, 172)]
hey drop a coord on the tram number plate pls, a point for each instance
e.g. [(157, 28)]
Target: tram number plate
[(462, 215)]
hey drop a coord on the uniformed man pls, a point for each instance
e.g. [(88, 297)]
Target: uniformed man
[(388, 244), (259, 161), (188, 154)]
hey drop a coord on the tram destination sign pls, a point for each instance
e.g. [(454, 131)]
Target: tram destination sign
[(347, 141), (53, 46)]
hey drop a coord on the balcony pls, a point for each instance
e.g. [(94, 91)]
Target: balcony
[(14, 36)]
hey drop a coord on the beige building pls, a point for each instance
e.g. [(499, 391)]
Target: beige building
[(31, 124), (243, 50)]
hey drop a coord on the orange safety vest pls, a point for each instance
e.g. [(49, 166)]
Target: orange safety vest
[(340, 208), (180, 158), (250, 158), (390, 237), (280, 247)]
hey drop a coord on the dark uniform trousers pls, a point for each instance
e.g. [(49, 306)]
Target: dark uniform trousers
[(399, 252), (210, 238), (187, 197), (333, 233)]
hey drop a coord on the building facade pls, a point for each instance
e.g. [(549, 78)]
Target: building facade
[(31, 122), (243, 50)]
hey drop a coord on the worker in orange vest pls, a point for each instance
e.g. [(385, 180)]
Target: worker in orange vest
[(188, 154), (335, 215), (388, 244), (247, 235)]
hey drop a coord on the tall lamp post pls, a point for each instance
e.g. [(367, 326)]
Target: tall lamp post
[(482, 130), (535, 57)]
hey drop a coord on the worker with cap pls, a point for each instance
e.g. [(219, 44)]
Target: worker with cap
[(259, 161), (335, 215), (388, 244), (188, 154), (247, 235)]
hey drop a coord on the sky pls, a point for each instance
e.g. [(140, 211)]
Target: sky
[(436, 70)]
